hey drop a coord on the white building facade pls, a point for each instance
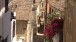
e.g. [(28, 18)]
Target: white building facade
[(5, 21)]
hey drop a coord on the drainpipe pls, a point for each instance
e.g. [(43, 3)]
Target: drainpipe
[(46, 13)]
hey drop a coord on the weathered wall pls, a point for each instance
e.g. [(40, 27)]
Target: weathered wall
[(24, 9), (60, 4), (70, 22)]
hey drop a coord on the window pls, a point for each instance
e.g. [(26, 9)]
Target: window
[(42, 4), (33, 1), (41, 28), (41, 22), (41, 15), (6, 5), (50, 10)]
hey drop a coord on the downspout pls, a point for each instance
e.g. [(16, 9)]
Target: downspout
[(45, 16), (46, 13)]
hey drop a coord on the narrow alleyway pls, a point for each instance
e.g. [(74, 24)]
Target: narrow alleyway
[(36, 14), (37, 21)]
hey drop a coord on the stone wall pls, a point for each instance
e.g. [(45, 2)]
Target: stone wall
[(59, 4), (24, 8)]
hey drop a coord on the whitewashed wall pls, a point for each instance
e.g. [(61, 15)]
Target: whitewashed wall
[(13, 38), (5, 22), (1, 10), (7, 25)]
